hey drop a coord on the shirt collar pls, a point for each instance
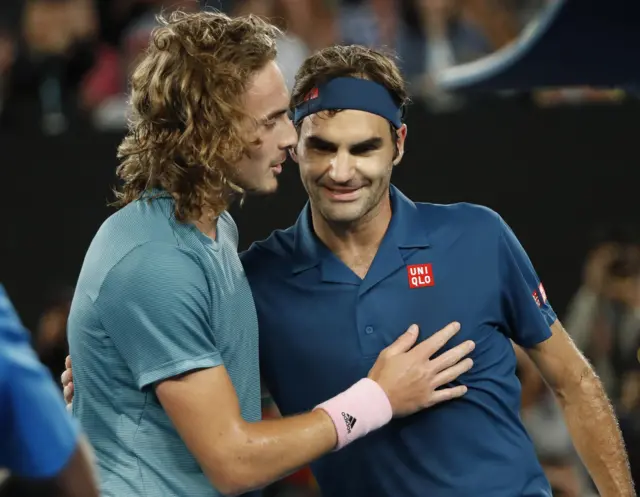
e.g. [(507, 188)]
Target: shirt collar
[(406, 229)]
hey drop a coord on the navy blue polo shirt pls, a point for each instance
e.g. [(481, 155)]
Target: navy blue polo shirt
[(322, 327)]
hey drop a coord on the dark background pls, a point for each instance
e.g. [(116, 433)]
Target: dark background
[(556, 175)]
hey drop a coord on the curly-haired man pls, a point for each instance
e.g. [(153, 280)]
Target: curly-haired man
[(163, 329)]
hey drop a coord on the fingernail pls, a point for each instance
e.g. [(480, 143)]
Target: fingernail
[(413, 329), (456, 325)]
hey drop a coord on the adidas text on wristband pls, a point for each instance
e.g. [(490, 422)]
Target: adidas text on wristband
[(362, 408)]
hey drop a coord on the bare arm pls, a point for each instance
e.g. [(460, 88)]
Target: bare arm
[(587, 411), (238, 456)]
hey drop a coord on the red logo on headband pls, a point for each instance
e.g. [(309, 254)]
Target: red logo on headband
[(311, 95)]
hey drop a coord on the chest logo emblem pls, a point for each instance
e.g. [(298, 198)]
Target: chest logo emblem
[(420, 275)]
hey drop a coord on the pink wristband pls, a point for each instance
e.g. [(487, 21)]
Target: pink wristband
[(362, 408)]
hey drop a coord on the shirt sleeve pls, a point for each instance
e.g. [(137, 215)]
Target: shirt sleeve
[(155, 307), (37, 434), (524, 300)]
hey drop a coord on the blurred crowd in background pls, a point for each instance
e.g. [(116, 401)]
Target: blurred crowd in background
[(74, 56), (62, 60), (603, 318)]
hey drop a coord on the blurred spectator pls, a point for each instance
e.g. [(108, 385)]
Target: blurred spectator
[(604, 317), (296, 18), (604, 321), (53, 27), (427, 35), (127, 26), (10, 11), (442, 33), (7, 52), (54, 49), (76, 55)]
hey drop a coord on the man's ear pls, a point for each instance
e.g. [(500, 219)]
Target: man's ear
[(293, 154), (401, 135)]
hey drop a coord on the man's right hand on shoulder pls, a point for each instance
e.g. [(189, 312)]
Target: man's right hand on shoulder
[(238, 456)]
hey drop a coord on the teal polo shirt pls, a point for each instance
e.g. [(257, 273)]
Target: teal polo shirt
[(322, 328), (156, 299)]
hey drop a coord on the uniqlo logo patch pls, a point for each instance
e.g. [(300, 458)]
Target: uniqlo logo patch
[(543, 294), (536, 298), (420, 275)]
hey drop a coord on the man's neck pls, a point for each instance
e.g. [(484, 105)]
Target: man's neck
[(364, 234), (207, 224), (208, 221)]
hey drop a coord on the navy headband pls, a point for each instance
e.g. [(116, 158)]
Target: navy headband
[(350, 93)]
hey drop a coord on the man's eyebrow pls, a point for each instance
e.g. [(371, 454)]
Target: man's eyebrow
[(358, 147), (316, 141), (274, 115), (369, 144)]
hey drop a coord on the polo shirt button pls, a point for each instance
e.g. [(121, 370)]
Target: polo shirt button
[(368, 330)]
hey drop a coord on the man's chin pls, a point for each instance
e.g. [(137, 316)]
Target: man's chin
[(267, 189), (341, 214)]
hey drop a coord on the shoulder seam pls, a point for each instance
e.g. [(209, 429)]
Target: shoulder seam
[(129, 252)]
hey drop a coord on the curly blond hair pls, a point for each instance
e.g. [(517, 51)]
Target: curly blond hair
[(187, 128)]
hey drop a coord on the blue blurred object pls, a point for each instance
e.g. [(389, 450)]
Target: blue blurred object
[(37, 435), (572, 43)]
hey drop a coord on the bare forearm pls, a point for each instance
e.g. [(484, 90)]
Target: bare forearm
[(268, 450), (596, 435)]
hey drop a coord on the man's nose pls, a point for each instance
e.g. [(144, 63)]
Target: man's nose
[(342, 168)]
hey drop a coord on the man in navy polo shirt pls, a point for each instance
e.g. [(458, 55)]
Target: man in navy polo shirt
[(363, 262)]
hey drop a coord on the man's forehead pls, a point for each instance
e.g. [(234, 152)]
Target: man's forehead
[(344, 126), (267, 92)]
